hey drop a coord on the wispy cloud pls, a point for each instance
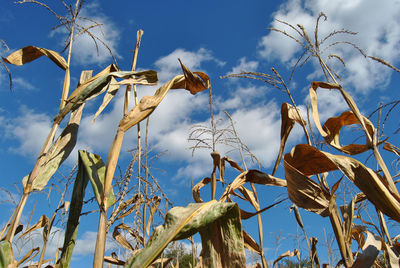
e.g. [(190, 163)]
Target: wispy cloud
[(30, 129)]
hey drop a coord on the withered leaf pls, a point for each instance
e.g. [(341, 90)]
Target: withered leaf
[(30, 53)]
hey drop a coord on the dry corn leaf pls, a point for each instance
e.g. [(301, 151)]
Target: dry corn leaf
[(331, 129), (314, 255), (148, 104), (30, 53), (305, 160), (232, 163), (197, 187), (337, 226), (40, 224), (391, 148), (253, 176), (297, 215), (250, 197), (113, 260), (333, 126), (153, 209), (370, 250), (28, 256), (244, 215), (250, 243), (121, 239), (394, 256), (123, 210), (288, 253), (193, 83), (58, 152), (110, 94), (304, 192), (289, 116)]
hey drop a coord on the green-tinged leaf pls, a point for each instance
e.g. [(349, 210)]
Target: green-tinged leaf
[(6, 253), (111, 91), (30, 53), (99, 84), (75, 209), (182, 222), (41, 223), (95, 170), (222, 240), (58, 152)]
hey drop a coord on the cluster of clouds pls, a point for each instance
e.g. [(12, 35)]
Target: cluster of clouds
[(257, 120), (377, 35)]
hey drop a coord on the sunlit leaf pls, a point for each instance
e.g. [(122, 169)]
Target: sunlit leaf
[(122, 240), (331, 129), (30, 53), (253, 176), (197, 187), (148, 104), (288, 253), (305, 160), (370, 250), (40, 224), (289, 116), (183, 222)]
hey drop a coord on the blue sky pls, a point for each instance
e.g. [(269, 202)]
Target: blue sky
[(216, 37)]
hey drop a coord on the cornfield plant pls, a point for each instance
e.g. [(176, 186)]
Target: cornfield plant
[(128, 204)]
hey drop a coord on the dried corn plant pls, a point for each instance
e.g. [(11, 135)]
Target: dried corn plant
[(129, 205), (305, 160)]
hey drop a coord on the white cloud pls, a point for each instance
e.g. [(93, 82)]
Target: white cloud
[(84, 48), (19, 82), (377, 24), (244, 65), (169, 65), (30, 129)]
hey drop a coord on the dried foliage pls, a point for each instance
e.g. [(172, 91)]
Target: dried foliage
[(131, 204)]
